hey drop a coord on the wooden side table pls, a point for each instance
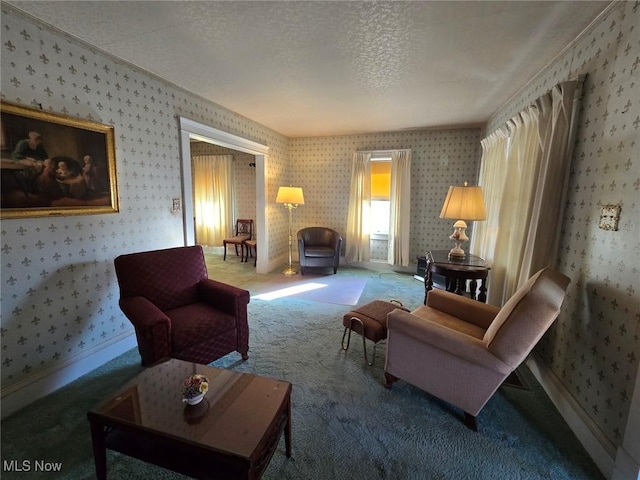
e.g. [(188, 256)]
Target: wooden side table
[(457, 272)]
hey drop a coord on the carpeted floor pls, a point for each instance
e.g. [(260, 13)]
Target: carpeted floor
[(346, 425)]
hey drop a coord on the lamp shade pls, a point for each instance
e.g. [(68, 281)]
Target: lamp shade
[(464, 203), (292, 195)]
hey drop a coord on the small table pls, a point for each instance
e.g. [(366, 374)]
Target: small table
[(457, 272), (232, 433)]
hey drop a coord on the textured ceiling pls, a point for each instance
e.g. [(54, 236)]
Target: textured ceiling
[(329, 68)]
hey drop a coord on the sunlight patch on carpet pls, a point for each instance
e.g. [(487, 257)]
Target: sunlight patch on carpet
[(323, 289), (289, 291)]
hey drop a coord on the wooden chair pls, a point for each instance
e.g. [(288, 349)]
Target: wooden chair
[(251, 247), (243, 232)]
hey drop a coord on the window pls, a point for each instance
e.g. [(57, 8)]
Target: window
[(380, 196)]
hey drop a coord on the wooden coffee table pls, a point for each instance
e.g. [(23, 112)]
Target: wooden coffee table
[(231, 434)]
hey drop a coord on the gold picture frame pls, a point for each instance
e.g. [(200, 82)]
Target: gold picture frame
[(55, 165)]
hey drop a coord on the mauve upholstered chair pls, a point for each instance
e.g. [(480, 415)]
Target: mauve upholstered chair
[(319, 247), (177, 311), (461, 350)]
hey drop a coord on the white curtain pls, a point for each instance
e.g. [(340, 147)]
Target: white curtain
[(358, 219), (524, 174), (493, 177), (400, 208), (213, 198)]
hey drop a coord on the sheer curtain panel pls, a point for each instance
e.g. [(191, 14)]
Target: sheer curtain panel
[(524, 175), (400, 208), (213, 198), (493, 175), (358, 218)]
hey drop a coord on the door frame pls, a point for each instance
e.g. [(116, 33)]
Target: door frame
[(192, 130)]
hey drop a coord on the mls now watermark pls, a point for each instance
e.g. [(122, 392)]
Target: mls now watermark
[(30, 466)]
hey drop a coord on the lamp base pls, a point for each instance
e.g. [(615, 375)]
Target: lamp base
[(458, 236), (290, 271)]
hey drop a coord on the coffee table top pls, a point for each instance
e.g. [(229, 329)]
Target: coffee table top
[(233, 417)]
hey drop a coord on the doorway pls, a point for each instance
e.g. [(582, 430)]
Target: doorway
[(191, 130), (224, 189)]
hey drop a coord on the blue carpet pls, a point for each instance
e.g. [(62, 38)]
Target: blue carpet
[(346, 425)]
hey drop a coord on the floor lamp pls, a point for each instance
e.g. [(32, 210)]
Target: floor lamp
[(291, 197)]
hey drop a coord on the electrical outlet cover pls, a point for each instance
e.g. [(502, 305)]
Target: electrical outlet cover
[(609, 217)]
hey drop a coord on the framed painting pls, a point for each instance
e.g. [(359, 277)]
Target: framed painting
[(55, 165)]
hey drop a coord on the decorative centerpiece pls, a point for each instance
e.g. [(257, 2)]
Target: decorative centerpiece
[(194, 388)]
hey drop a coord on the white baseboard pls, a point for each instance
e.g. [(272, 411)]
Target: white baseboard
[(626, 467), (47, 381), (280, 263), (381, 265), (599, 448)]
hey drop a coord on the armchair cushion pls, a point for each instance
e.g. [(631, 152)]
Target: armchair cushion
[(197, 323), (463, 308), (319, 252)]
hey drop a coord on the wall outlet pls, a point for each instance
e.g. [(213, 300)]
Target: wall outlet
[(609, 217), (175, 207)]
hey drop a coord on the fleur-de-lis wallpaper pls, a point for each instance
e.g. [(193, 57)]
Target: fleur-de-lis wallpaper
[(59, 292), (59, 295), (439, 158)]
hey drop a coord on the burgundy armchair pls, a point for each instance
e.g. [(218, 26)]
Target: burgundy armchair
[(461, 350), (177, 311)]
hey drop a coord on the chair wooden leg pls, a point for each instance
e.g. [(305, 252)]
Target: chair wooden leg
[(389, 379), (224, 258), (470, 421)]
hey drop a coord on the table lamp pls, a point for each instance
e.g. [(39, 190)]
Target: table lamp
[(291, 197), (462, 203)]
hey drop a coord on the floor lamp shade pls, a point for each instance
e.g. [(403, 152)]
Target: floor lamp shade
[(462, 203), (291, 197)]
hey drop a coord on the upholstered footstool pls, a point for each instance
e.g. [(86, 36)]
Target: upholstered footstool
[(370, 321)]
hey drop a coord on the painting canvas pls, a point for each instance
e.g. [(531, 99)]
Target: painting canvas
[(55, 165)]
